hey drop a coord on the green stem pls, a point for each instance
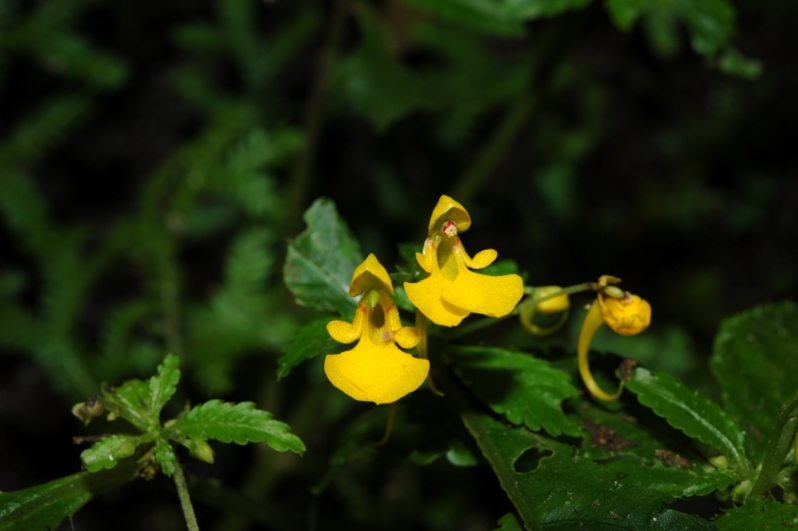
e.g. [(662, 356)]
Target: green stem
[(780, 440), (313, 120), (523, 305), (185, 499)]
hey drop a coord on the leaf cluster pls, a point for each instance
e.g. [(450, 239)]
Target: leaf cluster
[(565, 460)]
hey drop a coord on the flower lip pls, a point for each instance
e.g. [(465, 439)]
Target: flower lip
[(370, 275), (448, 209)]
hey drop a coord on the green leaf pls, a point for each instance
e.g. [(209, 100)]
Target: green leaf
[(755, 363), (108, 452), (376, 84), (694, 414), (711, 22), (489, 16), (525, 389), (45, 506), (321, 260), (131, 401), (165, 456), (557, 489), (759, 514), (240, 423), (164, 385), (510, 522), (735, 63), (311, 340), (678, 482)]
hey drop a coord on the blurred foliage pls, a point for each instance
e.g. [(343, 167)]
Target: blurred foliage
[(155, 158)]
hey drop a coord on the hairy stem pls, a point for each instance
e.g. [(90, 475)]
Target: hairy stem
[(185, 500)]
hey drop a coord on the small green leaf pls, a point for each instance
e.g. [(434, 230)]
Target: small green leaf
[(321, 261), (755, 361), (131, 401), (165, 456), (735, 63), (459, 454), (311, 340), (108, 452), (695, 415), (240, 423), (164, 385), (45, 506), (711, 22), (758, 514), (510, 522), (526, 389)]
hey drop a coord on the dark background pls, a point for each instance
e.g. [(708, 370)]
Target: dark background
[(630, 155)]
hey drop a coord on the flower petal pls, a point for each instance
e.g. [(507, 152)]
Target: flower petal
[(407, 336), (492, 296), (448, 209), (370, 275), (380, 373), (426, 296)]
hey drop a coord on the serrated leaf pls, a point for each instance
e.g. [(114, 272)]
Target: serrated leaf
[(758, 514), (711, 22), (525, 389), (695, 415), (755, 360), (131, 401), (165, 456), (164, 385), (563, 489), (240, 423), (46, 506), (311, 340), (321, 261), (108, 452)]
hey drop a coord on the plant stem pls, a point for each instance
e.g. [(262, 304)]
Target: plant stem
[(523, 305), (780, 441), (185, 500), (313, 120)]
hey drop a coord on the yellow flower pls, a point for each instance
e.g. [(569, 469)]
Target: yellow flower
[(623, 312), (451, 290), (375, 370)]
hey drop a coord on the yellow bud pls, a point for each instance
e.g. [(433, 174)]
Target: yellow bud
[(554, 305), (90, 409), (627, 316)]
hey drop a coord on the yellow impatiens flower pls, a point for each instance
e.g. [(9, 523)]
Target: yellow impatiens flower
[(624, 313), (451, 289), (375, 370)]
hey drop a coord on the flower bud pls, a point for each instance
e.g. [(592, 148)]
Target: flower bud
[(554, 305), (199, 449), (90, 409), (627, 316)]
